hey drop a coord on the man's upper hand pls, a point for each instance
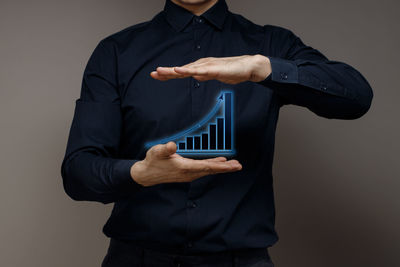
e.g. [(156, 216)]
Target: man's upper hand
[(163, 165), (231, 70)]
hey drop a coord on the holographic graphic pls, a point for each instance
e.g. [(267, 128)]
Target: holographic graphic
[(213, 135)]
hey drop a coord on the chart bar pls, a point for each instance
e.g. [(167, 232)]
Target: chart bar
[(228, 120), (213, 136), (204, 141), (197, 142), (181, 145), (220, 133), (189, 142)]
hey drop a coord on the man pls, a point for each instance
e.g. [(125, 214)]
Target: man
[(156, 78)]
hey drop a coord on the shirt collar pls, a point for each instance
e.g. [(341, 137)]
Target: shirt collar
[(179, 17)]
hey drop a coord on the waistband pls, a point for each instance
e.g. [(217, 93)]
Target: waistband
[(189, 256)]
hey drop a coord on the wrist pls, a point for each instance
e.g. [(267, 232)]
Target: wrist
[(261, 68), (136, 171)]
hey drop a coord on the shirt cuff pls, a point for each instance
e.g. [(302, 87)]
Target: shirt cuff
[(122, 178), (287, 71), (283, 71)]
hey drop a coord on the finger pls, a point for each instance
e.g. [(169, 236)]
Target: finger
[(190, 64), (165, 150), (235, 166), (216, 159), (197, 62), (202, 72), (157, 76), (166, 74), (200, 171), (192, 70), (168, 71), (214, 167), (232, 162)]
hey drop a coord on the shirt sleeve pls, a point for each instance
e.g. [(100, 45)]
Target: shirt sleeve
[(301, 75), (92, 169)]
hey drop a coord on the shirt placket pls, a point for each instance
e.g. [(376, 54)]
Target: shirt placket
[(199, 28), (196, 89)]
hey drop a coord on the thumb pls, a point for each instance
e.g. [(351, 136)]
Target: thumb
[(165, 150)]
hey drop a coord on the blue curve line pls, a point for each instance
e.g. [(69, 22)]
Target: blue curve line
[(193, 128)]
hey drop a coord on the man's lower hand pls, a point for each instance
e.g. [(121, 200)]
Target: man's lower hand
[(163, 165)]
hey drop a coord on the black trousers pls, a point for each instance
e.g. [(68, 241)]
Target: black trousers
[(123, 254)]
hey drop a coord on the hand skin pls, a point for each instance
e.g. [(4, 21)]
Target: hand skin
[(163, 165), (230, 70)]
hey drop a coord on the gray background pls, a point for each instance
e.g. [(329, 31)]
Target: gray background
[(336, 182)]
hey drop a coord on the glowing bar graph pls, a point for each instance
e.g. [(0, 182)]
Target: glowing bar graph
[(212, 135)]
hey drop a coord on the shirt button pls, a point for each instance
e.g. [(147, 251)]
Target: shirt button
[(196, 84), (191, 204), (177, 263), (284, 76), (200, 20), (324, 87), (198, 47)]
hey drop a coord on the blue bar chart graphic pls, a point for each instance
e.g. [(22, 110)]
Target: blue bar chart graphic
[(213, 135)]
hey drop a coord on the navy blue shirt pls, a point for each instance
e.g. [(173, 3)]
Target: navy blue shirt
[(121, 107)]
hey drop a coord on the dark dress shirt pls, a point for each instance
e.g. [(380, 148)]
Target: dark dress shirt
[(121, 107)]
